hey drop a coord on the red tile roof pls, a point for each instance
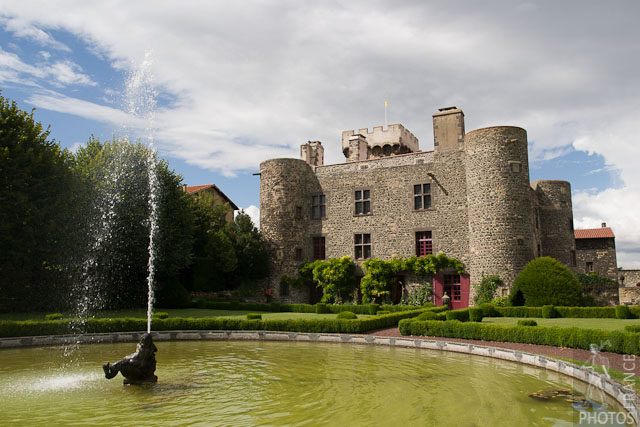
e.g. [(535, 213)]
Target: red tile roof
[(594, 233), (195, 188)]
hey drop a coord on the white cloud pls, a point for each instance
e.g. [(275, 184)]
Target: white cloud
[(253, 80), (68, 73)]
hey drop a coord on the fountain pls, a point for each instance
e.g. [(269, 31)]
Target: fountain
[(137, 368)]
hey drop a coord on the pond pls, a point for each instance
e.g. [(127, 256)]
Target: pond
[(282, 383)]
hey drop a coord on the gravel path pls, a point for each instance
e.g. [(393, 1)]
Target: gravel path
[(622, 362)]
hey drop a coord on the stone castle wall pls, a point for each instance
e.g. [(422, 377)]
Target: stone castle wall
[(499, 202), (556, 220), (601, 252)]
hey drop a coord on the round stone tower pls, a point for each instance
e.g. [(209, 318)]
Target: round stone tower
[(499, 202), (556, 220), (286, 187)]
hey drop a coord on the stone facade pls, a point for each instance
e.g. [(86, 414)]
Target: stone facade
[(483, 209), (596, 252)]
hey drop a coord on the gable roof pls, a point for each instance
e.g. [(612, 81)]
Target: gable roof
[(594, 233), (193, 189)]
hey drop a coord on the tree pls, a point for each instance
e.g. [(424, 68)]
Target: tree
[(37, 187), (546, 281), (116, 177)]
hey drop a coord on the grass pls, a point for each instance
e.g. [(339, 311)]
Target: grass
[(186, 312), (608, 324)]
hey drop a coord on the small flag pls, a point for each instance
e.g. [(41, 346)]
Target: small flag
[(386, 103)]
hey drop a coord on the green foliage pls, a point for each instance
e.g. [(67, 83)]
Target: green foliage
[(382, 312), (336, 277), (501, 301), (549, 312), (322, 308), (39, 214), (527, 323), (546, 281), (623, 312), (53, 316), (462, 315), (476, 314), (485, 291), (418, 296), (615, 341), (254, 316), (488, 310), (520, 311), (635, 329), (594, 279), (375, 285), (60, 327), (116, 187), (160, 315), (172, 294), (347, 315), (431, 315), (373, 309)]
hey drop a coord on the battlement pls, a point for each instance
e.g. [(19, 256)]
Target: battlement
[(396, 139)]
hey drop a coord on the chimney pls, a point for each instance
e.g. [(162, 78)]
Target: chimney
[(604, 224), (448, 129), (184, 187), (358, 148)]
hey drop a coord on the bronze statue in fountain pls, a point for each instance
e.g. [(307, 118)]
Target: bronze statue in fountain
[(136, 368)]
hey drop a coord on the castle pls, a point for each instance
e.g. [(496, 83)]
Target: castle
[(469, 198)]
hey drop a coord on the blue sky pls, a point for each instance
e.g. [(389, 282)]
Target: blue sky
[(238, 84)]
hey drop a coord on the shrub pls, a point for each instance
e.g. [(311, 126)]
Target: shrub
[(488, 310), (418, 296), (160, 315), (322, 308), (172, 295), (346, 315), (428, 304), (548, 312), (476, 314), (500, 301), (461, 315), (527, 323), (53, 316), (623, 312), (275, 307), (520, 311), (615, 341), (485, 291), (382, 312), (254, 316), (373, 308), (632, 328), (546, 281)]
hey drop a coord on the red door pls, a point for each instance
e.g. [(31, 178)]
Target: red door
[(456, 286)]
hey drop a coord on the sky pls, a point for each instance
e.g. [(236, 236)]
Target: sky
[(221, 86)]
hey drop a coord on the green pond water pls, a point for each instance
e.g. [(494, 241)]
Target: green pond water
[(241, 383)]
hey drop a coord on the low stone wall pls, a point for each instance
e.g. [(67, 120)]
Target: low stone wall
[(629, 296), (627, 398), (629, 278)]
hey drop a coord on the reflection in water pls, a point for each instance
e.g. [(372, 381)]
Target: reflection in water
[(271, 383)]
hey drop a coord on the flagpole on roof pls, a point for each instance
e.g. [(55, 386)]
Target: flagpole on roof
[(386, 105)]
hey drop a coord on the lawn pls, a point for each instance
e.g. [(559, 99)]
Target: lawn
[(186, 312), (608, 324)]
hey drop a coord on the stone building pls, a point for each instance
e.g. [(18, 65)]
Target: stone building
[(469, 198), (596, 251)]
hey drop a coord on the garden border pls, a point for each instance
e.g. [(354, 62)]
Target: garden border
[(625, 397)]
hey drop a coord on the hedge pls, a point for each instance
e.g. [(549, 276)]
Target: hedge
[(618, 341), (302, 308), (566, 312), (461, 315), (60, 327), (527, 323)]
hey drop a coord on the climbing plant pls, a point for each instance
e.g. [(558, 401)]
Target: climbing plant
[(380, 274), (335, 276)]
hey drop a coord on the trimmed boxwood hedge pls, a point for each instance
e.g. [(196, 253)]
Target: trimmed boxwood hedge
[(461, 315), (567, 312), (527, 323), (615, 341), (346, 315), (60, 327), (302, 308)]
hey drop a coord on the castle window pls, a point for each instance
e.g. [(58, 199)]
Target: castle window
[(573, 258), (363, 202), (298, 212), (362, 246), (318, 206), (284, 289), (537, 215), (424, 243), (298, 254), (452, 286), (318, 248), (515, 166), (422, 196), (589, 267)]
